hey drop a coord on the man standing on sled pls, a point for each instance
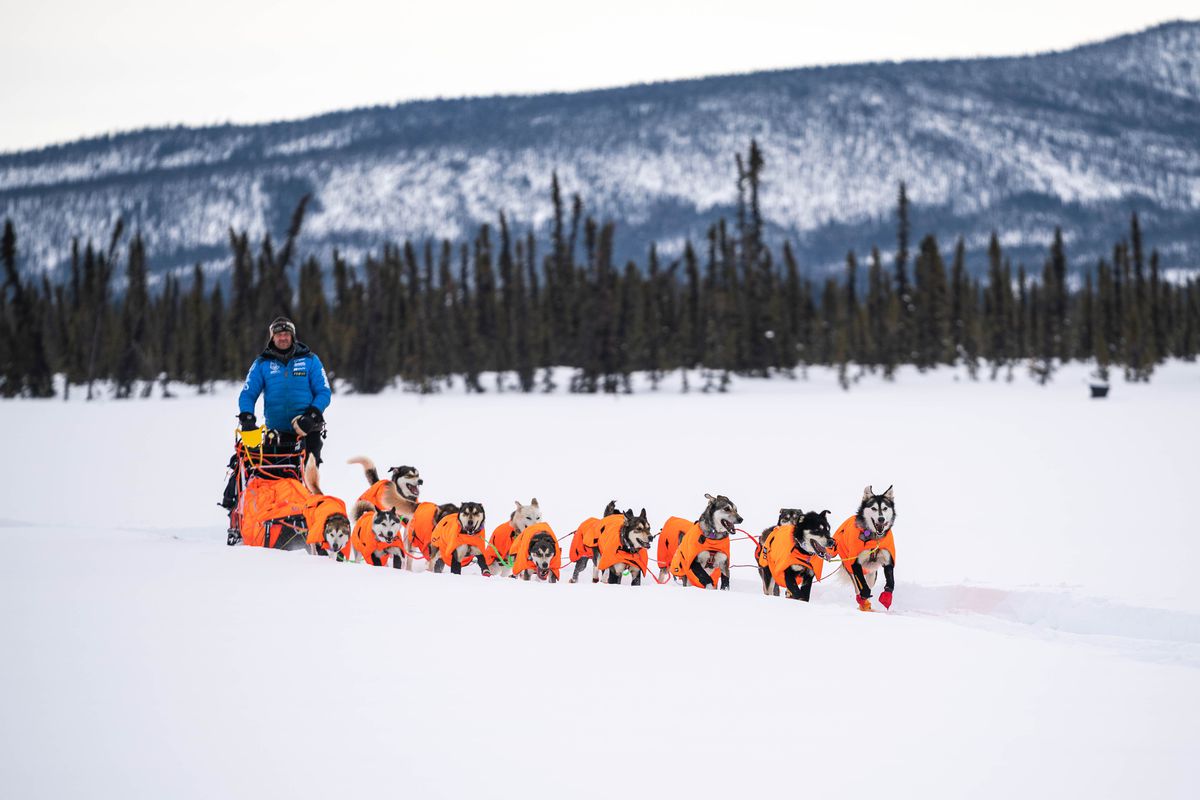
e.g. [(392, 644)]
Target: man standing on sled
[(295, 391)]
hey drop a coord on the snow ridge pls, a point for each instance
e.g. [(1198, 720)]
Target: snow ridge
[(1077, 138)]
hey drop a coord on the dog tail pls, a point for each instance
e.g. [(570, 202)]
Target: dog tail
[(360, 508), (368, 467), (312, 479)]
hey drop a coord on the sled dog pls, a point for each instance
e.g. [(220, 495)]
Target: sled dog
[(334, 528), (702, 559), (793, 554), (865, 546), (458, 540), (622, 546)]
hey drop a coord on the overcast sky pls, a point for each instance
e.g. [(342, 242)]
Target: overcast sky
[(72, 68)]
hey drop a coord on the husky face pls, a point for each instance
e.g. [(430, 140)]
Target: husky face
[(525, 515), (470, 517), (720, 517), (541, 553), (635, 531), (812, 534), (790, 516), (337, 533), (386, 526), (408, 482), (876, 512)]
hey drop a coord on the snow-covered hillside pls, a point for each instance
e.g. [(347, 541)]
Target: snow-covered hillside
[(1044, 641), (1019, 145)]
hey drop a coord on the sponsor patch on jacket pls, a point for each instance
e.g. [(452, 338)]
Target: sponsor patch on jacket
[(300, 369)]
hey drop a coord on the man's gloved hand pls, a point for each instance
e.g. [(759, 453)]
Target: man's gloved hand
[(248, 421), (310, 421)]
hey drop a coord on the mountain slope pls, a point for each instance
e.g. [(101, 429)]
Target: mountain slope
[(1078, 138)]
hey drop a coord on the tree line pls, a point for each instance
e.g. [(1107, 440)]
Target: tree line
[(508, 304)]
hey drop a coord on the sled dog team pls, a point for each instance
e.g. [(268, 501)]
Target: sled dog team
[(390, 525)]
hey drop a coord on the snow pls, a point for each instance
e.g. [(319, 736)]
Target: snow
[(1045, 638)]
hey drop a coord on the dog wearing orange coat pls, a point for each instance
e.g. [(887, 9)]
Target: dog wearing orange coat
[(702, 559), (621, 546), (458, 540), (792, 555), (585, 538), (865, 546), (326, 517)]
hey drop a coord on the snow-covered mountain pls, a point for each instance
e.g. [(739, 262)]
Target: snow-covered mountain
[(1079, 138)]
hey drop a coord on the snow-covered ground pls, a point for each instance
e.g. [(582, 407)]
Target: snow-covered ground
[(1045, 638)]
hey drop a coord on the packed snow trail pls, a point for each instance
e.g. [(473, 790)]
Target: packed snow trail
[(1044, 640)]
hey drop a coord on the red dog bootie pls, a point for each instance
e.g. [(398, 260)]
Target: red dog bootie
[(886, 599), (863, 603)]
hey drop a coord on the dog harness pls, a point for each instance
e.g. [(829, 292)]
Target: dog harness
[(779, 553), (609, 547), (850, 544), (693, 545), (502, 539), (449, 536), (317, 511), (668, 539), (363, 540), (266, 500), (521, 560), (374, 495), (421, 527), (583, 543)]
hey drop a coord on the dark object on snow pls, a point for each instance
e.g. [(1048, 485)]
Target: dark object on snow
[(1099, 390)]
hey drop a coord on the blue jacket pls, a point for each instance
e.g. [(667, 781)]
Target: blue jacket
[(288, 386)]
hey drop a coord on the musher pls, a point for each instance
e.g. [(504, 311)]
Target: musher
[(295, 392)]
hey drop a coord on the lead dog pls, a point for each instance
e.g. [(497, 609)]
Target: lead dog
[(792, 554), (865, 546)]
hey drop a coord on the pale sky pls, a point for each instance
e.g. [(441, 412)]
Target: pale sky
[(73, 68)]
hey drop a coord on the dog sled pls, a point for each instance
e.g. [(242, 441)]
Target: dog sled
[(270, 496)]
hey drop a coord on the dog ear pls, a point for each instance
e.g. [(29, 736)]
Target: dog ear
[(643, 514), (890, 495), (709, 497), (534, 503), (825, 513), (867, 492), (518, 502)]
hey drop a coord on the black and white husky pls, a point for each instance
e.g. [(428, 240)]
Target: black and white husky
[(875, 517), (541, 552), (470, 521), (718, 521), (812, 537), (635, 535), (388, 530)]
